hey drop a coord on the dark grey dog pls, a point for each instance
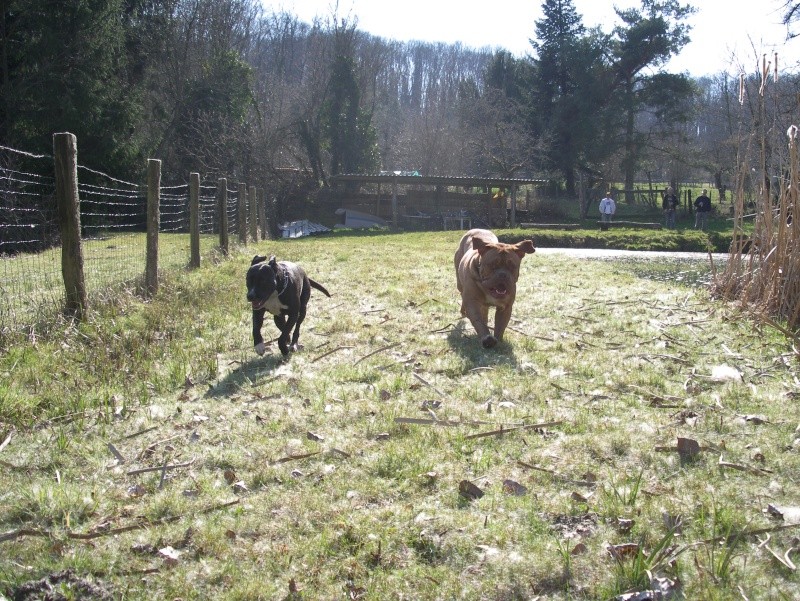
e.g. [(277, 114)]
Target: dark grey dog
[(283, 289)]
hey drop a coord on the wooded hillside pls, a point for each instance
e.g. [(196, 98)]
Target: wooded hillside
[(226, 88)]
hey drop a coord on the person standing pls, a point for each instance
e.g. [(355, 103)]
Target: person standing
[(670, 205), (607, 208), (702, 204)]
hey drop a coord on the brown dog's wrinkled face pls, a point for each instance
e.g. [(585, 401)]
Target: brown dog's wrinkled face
[(499, 266)]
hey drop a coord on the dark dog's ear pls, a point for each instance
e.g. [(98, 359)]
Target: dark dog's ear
[(258, 259), (273, 262)]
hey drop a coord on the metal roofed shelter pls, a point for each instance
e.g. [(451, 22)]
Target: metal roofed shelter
[(439, 183)]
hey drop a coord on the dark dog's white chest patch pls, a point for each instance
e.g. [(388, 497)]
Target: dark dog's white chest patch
[(274, 305)]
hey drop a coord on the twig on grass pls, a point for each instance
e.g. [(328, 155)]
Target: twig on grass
[(422, 421), (330, 352), (428, 384), (23, 532), (657, 400), (140, 432), (515, 428), (295, 457), (680, 360), (164, 467), (430, 300), (759, 471), (557, 475), (116, 453), (4, 444), (380, 350)]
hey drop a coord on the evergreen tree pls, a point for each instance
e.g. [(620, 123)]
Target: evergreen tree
[(648, 38), (348, 127), (65, 70), (560, 65)]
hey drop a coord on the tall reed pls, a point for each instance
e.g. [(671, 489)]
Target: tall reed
[(763, 270)]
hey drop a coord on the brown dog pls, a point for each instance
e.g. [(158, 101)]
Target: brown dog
[(486, 272)]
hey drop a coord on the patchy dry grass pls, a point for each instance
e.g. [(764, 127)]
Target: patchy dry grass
[(393, 457)]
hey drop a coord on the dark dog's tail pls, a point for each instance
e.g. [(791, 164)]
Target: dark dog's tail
[(319, 287)]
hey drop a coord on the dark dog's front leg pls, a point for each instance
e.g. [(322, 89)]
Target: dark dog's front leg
[(258, 341), (300, 317), (285, 326)]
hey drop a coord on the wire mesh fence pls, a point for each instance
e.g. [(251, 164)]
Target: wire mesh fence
[(113, 220)]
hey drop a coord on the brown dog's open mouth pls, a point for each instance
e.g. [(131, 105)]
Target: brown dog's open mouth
[(499, 292), (258, 304)]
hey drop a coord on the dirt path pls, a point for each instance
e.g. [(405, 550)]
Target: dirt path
[(605, 253)]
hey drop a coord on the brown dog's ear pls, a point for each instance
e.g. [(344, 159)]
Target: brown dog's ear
[(480, 245), (524, 248), (258, 259)]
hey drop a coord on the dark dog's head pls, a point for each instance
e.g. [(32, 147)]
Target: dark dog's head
[(261, 280)]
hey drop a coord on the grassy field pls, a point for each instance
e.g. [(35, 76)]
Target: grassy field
[(630, 434)]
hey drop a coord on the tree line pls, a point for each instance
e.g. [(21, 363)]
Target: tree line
[(224, 88)]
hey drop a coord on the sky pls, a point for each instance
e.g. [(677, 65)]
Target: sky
[(727, 35)]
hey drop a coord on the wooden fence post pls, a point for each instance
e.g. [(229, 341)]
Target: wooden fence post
[(194, 219), (262, 216), (395, 222), (241, 213), (253, 213), (514, 205), (65, 155), (222, 212), (153, 223)]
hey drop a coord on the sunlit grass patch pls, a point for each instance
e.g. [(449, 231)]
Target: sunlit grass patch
[(393, 455)]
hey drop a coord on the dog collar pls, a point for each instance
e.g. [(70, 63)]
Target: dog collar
[(285, 282)]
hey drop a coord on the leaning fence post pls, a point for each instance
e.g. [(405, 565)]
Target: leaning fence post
[(241, 213), (153, 223), (253, 213), (65, 154), (222, 212), (194, 219)]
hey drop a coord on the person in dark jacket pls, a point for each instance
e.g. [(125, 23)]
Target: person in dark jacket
[(670, 206), (702, 204)]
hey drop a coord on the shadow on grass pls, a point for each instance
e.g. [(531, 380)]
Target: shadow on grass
[(247, 375), (465, 343)]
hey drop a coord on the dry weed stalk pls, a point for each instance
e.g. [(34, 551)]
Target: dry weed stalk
[(763, 270)]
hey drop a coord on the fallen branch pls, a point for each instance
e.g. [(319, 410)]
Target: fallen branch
[(15, 534), (557, 475), (516, 428), (330, 352), (4, 444), (424, 381), (380, 350), (22, 532), (295, 457), (421, 421), (159, 468), (140, 432), (116, 453), (744, 468)]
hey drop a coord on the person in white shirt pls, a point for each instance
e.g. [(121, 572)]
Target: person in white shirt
[(607, 208)]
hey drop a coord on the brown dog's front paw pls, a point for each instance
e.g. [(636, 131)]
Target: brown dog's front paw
[(260, 348), (489, 341)]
